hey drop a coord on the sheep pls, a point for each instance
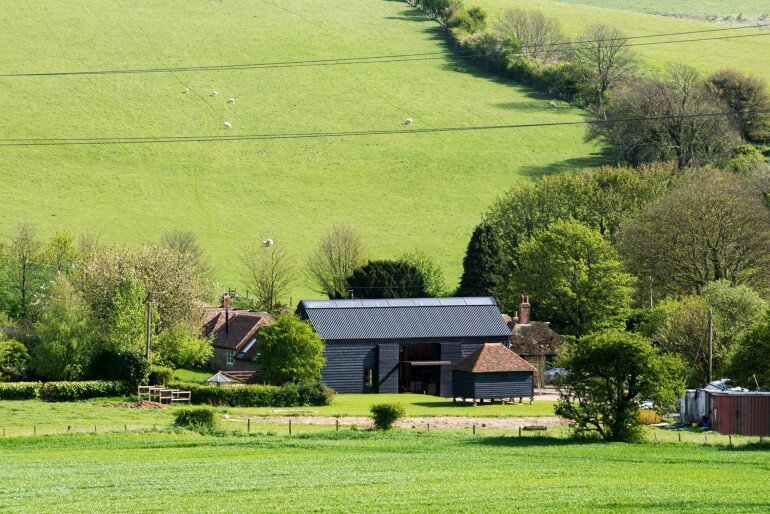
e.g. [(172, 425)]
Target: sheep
[(231, 100), (408, 121), (267, 243), (186, 90), (552, 105), (214, 93), (228, 125)]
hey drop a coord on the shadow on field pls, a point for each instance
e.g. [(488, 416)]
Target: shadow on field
[(748, 447), (572, 164), (530, 441), (408, 15)]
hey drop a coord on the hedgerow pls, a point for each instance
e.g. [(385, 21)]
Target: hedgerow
[(290, 395), (19, 390), (72, 391)]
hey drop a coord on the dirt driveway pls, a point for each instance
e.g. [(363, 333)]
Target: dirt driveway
[(435, 422)]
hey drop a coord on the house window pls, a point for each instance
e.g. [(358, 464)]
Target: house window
[(230, 357), (369, 377)]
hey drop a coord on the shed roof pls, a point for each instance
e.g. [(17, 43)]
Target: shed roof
[(407, 318), (493, 358)]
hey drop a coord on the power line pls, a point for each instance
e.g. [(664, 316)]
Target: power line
[(320, 135), (378, 58)]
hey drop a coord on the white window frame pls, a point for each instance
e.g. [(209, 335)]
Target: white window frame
[(230, 357)]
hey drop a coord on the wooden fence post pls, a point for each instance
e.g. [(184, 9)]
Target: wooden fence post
[(289, 427), (474, 429), (94, 428), (125, 427), (428, 426), (519, 431), (248, 425), (69, 428), (730, 437), (337, 423), (680, 436), (34, 429)]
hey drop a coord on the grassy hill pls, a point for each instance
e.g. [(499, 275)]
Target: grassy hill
[(707, 56), (692, 7), (401, 191)]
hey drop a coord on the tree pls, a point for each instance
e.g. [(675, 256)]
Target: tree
[(680, 328), (338, 253), (435, 285), (669, 118), (26, 270), (602, 51), (184, 243), (268, 273), (538, 36), (736, 308), (387, 279), (290, 351), (748, 97), (129, 367), (750, 366), (65, 332), (125, 326), (14, 359), (484, 270), (182, 346), (709, 228), (60, 253), (608, 373), (576, 279)]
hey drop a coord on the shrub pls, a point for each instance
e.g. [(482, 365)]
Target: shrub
[(72, 391), (290, 395), (122, 366), (648, 417), (19, 390), (160, 375), (315, 394), (201, 419), (385, 415), (14, 358)]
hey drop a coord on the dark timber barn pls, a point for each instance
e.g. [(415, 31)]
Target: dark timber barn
[(401, 345), (493, 372)]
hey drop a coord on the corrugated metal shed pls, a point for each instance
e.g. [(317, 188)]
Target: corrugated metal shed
[(742, 413), (413, 318)]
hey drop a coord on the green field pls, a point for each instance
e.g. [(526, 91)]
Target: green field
[(401, 191), (697, 7), (743, 53), (365, 471)]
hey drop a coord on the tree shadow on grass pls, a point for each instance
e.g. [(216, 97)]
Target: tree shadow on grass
[(748, 447), (593, 160), (528, 441)]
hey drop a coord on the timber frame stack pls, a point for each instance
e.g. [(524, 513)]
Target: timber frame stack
[(162, 394)]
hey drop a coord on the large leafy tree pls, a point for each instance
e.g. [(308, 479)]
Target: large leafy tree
[(575, 278), (290, 351), (14, 359), (435, 285), (710, 228), (484, 272), (736, 308), (750, 366), (748, 97), (23, 272), (608, 374), (387, 279), (268, 273), (339, 252)]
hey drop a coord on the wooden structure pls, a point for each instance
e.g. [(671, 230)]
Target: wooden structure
[(493, 372), (740, 413), (162, 394)]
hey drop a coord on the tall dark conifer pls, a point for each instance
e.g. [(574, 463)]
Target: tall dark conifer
[(483, 264)]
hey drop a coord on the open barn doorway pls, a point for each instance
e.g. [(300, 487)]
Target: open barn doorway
[(419, 369)]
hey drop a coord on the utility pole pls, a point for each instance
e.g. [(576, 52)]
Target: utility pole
[(147, 331), (711, 345)]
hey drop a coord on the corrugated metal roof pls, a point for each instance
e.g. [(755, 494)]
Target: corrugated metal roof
[(414, 318)]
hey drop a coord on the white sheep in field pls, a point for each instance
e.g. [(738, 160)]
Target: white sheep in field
[(267, 243), (214, 93), (231, 100), (186, 90), (408, 121), (228, 125), (552, 105)]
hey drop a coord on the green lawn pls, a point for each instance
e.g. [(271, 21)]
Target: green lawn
[(192, 375), (707, 56), (364, 471), (400, 191), (416, 405), (696, 7)]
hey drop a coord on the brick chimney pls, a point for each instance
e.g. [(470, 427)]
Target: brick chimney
[(524, 310), (226, 301)]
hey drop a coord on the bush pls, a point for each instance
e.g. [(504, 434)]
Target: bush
[(648, 417), (315, 394), (121, 366), (201, 419), (72, 391), (160, 375), (290, 395), (385, 415), (19, 390)]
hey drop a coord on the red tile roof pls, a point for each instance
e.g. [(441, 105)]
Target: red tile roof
[(234, 329), (493, 358), (536, 338)]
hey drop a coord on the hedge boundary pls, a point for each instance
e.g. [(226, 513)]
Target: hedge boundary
[(61, 391), (290, 395)]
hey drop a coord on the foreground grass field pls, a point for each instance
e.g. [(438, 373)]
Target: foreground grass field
[(364, 471), (706, 56), (401, 191)]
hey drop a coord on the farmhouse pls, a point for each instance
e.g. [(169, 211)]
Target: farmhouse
[(401, 345), (234, 335), (535, 341)]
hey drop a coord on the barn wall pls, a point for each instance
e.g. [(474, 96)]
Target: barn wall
[(346, 365), (504, 385), (388, 368), (463, 384), (451, 352), (741, 414)]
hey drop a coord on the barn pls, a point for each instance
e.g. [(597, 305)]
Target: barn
[(493, 372), (401, 345), (740, 412)]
